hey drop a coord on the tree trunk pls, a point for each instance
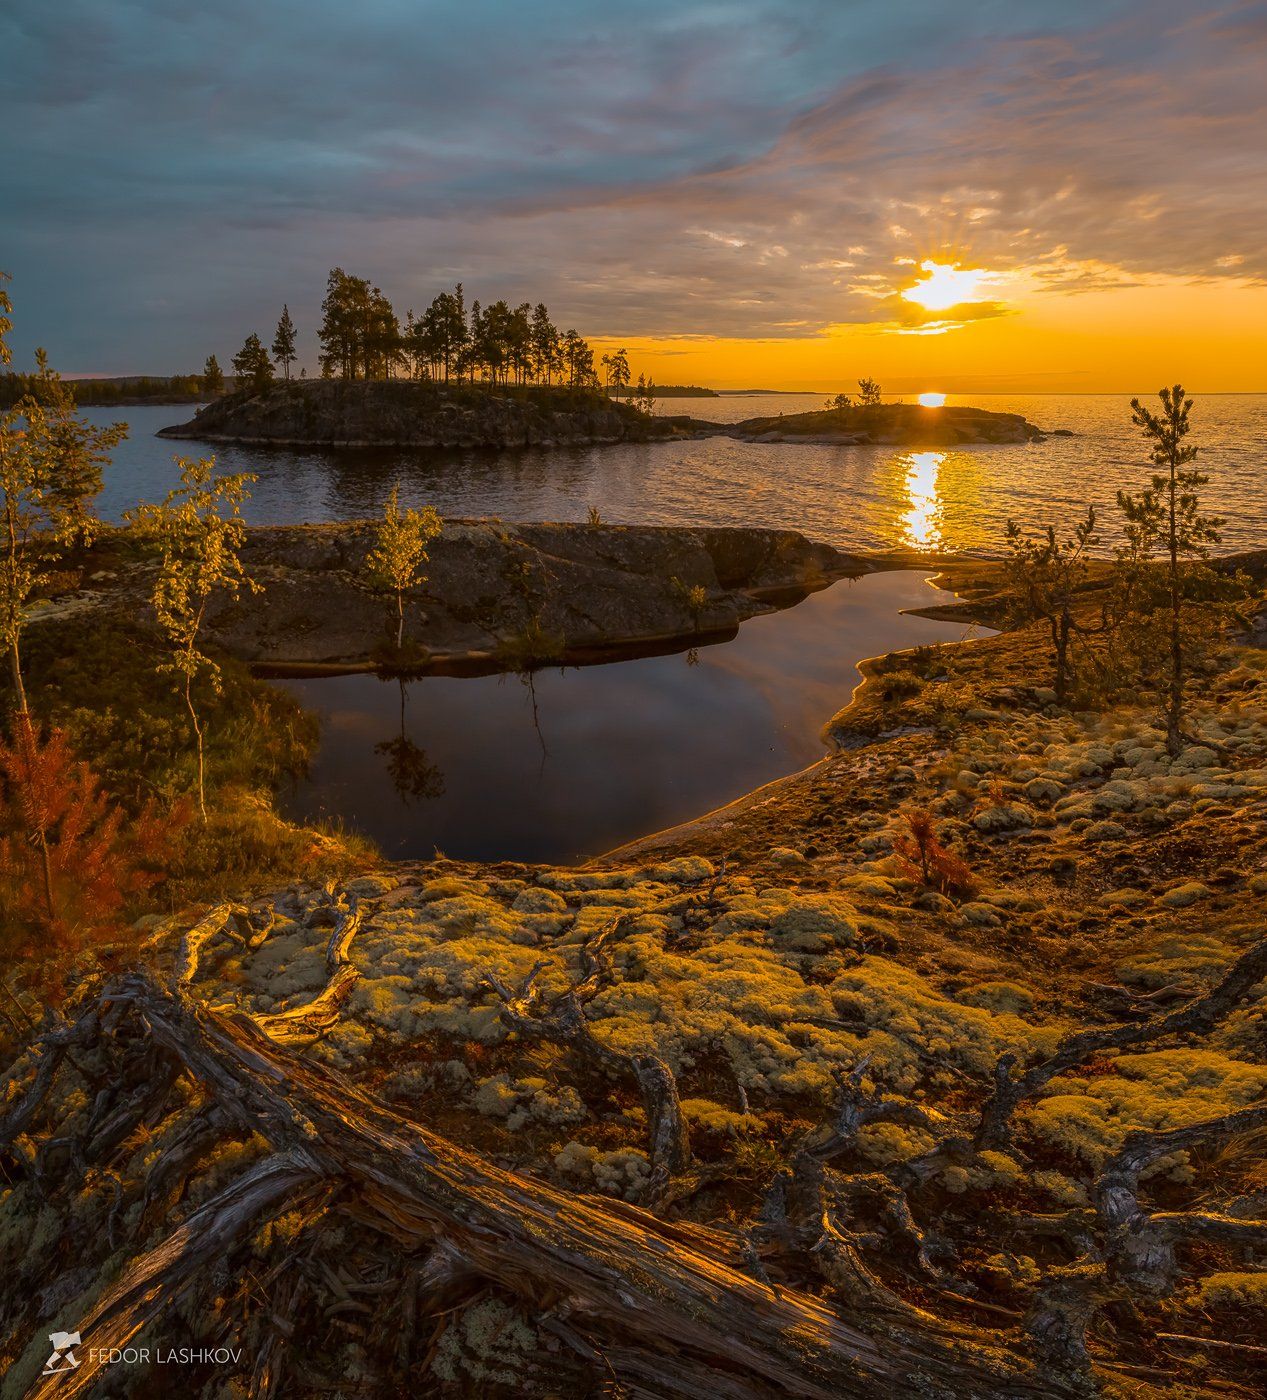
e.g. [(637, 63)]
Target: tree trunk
[(664, 1298), (1174, 708), (28, 742), (193, 715)]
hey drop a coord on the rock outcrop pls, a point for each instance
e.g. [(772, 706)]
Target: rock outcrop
[(498, 596)]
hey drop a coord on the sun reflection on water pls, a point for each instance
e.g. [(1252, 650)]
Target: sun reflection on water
[(921, 522)]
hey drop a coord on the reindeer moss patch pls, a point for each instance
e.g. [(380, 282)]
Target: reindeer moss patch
[(1090, 1117)]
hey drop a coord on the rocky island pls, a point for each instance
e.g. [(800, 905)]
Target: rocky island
[(418, 413), (891, 424), (414, 413)]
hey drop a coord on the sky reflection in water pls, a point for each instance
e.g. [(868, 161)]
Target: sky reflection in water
[(617, 751)]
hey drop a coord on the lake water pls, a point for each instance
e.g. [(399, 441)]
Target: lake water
[(588, 759), (615, 751), (852, 497)]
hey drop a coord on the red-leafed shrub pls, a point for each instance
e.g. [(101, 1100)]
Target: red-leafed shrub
[(70, 858), (924, 858)]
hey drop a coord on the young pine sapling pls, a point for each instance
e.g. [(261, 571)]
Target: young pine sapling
[(1044, 576), (1166, 519)]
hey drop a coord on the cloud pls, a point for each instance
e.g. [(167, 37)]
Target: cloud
[(734, 168)]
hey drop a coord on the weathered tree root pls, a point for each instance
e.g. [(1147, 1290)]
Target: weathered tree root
[(1117, 1244), (296, 1024), (1141, 1244), (661, 1308), (1196, 1016), (314, 1018), (663, 1303), (562, 1021)]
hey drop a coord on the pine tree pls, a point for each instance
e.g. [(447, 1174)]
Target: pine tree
[(868, 393), (579, 360), (284, 342), (644, 395), (617, 369), (74, 453), (382, 348), (337, 332), (1166, 518), (212, 377), (1044, 577), (198, 531), (545, 344), (252, 366)]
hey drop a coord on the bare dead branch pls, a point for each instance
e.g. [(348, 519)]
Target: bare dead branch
[(1199, 1015)]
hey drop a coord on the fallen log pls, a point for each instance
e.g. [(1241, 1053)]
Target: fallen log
[(669, 1305)]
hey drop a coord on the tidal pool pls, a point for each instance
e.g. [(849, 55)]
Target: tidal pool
[(587, 758)]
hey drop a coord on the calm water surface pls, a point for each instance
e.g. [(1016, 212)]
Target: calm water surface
[(853, 497), (615, 752), (588, 759)]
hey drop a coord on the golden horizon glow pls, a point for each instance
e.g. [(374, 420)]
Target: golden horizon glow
[(946, 285), (1120, 337), (931, 399)]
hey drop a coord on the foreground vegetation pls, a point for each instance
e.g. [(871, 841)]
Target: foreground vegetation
[(943, 1057), (136, 770)]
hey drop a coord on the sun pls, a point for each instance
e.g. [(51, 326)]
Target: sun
[(945, 285), (932, 399)]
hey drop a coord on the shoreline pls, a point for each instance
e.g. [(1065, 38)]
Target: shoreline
[(580, 594), (668, 839)]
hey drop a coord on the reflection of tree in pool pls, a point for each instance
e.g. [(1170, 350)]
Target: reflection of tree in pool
[(528, 653), (413, 776), (527, 678)]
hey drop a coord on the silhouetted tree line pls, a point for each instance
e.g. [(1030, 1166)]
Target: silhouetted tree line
[(88, 392), (363, 338)]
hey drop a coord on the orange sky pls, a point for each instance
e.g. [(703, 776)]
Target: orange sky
[(742, 194), (1210, 335)]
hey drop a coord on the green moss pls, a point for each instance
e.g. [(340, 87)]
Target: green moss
[(1089, 1117), (1233, 1290)]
